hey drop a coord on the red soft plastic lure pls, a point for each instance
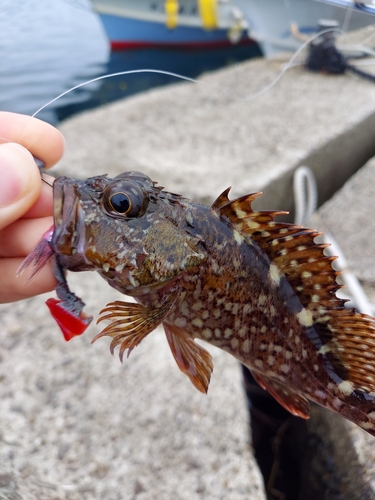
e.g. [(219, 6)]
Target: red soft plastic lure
[(70, 325)]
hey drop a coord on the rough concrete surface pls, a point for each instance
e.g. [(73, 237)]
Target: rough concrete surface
[(75, 423), (348, 215)]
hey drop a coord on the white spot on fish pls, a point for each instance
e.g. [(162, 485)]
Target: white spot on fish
[(189, 218), (320, 394), (346, 387), (251, 224), (205, 314), (197, 322), (242, 331), (305, 317), (241, 214), (246, 346), (271, 360), (366, 425), (207, 333), (246, 309), (324, 349), (274, 274), (228, 332), (181, 322), (238, 237), (216, 313), (285, 368), (234, 343), (119, 267)]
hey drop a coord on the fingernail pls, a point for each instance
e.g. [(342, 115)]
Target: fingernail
[(13, 178)]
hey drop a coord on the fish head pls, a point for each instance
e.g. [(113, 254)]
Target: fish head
[(137, 236)]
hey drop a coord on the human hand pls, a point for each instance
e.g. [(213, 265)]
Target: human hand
[(26, 203)]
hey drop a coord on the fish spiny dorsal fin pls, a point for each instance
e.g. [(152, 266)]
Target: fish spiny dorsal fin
[(221, 200), (292, 249)]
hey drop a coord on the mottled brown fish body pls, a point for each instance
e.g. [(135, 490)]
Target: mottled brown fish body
[(261, 290)]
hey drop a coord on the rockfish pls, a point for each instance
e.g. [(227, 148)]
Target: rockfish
[(262, 290)]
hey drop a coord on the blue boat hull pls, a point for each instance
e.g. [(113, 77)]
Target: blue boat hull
[(127, 33)]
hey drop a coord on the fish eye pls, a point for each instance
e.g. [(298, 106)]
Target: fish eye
[(124, 199), (120, 203)]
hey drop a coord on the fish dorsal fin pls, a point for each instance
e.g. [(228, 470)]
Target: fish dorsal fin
[(288, 398), (221, 200), (291, 248), (352, 342), (131, 323), (191, 358), (347, 337)]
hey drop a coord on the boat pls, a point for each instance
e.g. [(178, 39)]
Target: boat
[(215, 23), (171, 23)]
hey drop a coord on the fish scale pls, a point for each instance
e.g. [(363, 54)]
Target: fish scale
[(262, 290)]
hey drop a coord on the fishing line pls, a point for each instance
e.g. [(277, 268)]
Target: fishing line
[(193, 80), (291, 63), (348, 16)]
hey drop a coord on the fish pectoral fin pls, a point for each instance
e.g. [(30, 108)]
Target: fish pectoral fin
[(130, 323), (288, 398), (191, 358)]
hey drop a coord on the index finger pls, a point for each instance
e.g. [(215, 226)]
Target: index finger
[(42, 139)]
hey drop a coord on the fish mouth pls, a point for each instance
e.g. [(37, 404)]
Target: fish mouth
[(68, 240)]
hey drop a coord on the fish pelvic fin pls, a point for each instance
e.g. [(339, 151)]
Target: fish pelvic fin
[(191, 358), (289, 399), (131, 323)]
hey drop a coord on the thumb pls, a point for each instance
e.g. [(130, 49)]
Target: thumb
[(20, 182)]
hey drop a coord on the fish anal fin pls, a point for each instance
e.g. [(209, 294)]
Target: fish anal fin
[(130, 323), (191, 358), (288, 398)]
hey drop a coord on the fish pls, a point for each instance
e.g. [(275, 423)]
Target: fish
[(262, 290)]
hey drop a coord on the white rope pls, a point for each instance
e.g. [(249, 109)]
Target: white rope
[(305, 194)]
